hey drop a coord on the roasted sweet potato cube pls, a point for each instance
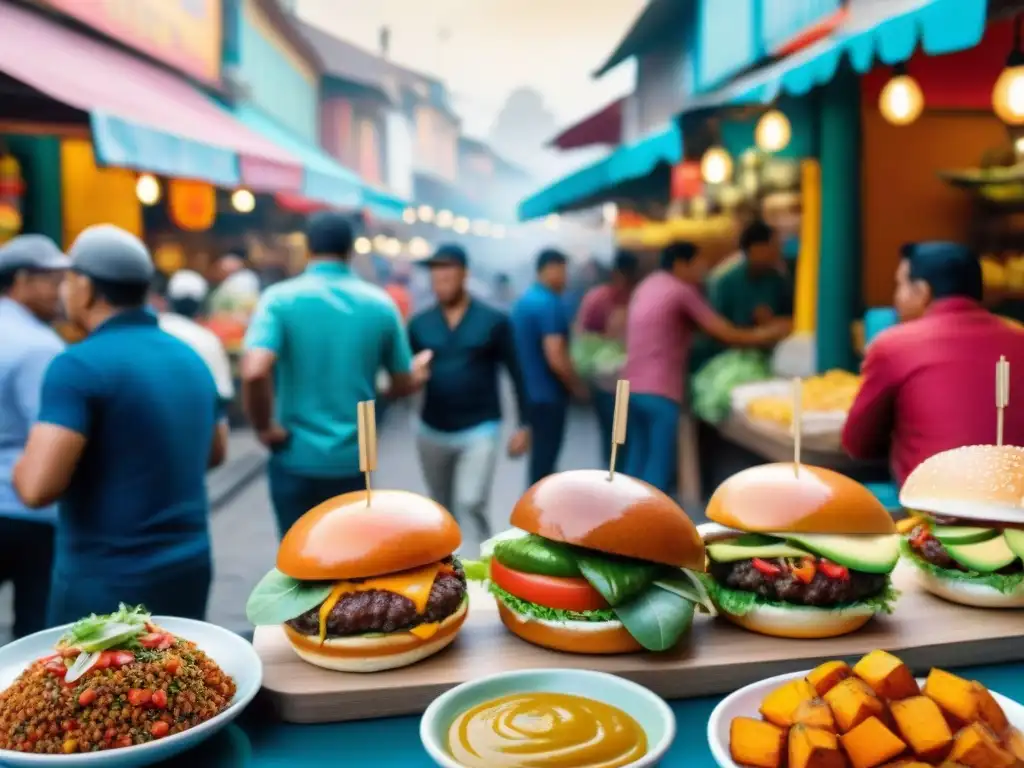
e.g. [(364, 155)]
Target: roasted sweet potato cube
[(814, 748), (825, 677), (951, 764), (871, 744), (954, 695), (1013, 742), (757, 743), (923, 726), (815, 713), (852, 702), (975, 746), (780, 705), (887, 675), (907, 763), (988, 709)]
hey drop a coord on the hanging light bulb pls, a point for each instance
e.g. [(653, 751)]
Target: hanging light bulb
[(409, 215), (419, 248), (363, 245), (147, 189), (243, 201), (1008, 93), (716, 166), (461, 225), (426, 214), (773, 131), (445, 219), (380, 243), (901, 101)]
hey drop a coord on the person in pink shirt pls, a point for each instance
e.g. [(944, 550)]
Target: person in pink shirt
[(665, 311)]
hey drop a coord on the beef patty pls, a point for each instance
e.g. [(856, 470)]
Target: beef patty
[(360, 613), (821, 591), (931, 550)]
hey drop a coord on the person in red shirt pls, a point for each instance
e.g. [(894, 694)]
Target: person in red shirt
[(929, 383)]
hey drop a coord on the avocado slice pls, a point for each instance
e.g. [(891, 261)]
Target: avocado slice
[(1015, 541), (955, 534), (861, 552), (732, 550), (983, 556)]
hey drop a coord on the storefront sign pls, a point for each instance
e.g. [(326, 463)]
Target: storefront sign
[(185, 34), (192, 205)]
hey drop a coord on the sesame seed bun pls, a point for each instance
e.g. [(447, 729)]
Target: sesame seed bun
[(977, 482), (775, 498), (346, 538), (618, 515)]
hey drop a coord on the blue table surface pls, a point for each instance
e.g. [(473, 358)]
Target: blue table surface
[(258, 740)]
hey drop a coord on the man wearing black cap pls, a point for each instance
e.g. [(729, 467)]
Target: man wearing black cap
[(31, 268), (541, 329), (460, 427), (125, 433), (313, 351)]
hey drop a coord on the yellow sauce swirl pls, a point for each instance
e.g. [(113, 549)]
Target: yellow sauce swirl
[(545, 730)]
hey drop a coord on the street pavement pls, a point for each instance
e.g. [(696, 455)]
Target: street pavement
[(244, 538)]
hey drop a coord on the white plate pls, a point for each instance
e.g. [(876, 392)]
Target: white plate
[(746, 701), (234, 655)]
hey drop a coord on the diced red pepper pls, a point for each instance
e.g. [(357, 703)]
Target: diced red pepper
[(152, 640), (138, 697), (57, 668), (124, 741), (766, 568), (805, 572), (159, 729), (69, 725), (103, 662), (172, 665), (87, 697), (833, 571), (121, 658), (166, 642), (919, 538), (159, 699), (110, 734)]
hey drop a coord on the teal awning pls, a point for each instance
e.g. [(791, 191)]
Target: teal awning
[(324, 180), (598, 181), (886, 33)]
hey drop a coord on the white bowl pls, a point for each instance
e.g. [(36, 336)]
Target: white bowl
[(647, 708), (746, 701), (234, 655)]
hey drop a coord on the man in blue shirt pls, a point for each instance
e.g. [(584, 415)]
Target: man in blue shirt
[(31, 268), (313, 351), (460, 427), (541, 329), (125, 433)]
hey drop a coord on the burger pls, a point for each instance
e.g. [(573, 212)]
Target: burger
[(364, 587), (799, 552), (965, 537), (596, 565)]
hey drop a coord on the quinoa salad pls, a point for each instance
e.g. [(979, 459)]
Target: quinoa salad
[(113, 681)]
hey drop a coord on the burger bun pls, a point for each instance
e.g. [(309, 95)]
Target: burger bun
[(803, 623), (966, 592), (591, 638), (375, 654)]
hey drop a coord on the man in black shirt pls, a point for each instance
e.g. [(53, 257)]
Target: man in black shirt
[(460, 427)]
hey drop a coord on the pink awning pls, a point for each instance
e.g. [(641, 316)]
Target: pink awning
[(142, 117)]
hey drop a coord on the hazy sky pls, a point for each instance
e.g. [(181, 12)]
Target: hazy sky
[(484, 49)]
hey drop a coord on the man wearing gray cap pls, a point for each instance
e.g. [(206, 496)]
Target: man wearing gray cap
[(125, 433), (31, 268)]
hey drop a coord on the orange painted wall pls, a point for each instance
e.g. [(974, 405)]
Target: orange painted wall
[(903, 199)]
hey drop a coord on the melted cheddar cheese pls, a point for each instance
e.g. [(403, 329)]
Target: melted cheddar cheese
[(425, 631), (414, 585)]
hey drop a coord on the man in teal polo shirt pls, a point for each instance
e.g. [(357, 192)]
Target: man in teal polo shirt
[(313, 351), (127, 427)]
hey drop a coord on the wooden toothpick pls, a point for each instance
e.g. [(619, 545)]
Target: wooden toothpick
[(619, 420), (797, 426), (367, 423), (1002, 394)]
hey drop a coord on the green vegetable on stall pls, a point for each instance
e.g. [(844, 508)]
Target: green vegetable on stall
[(712, 386), (279, 598)]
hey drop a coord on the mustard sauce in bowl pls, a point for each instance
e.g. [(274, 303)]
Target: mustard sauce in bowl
[(545, 730)]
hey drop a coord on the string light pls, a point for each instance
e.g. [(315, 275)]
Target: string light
[(426, 214), (409, 215), (419, 248), (481, 227), (147, 189), (363, 245), (716, 166), (243, 201), (461, 225), (901, 101), (380, 243), (773, 131), (444, 219), (394, 247)]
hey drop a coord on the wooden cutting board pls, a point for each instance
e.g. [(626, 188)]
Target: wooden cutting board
[(719, 657)]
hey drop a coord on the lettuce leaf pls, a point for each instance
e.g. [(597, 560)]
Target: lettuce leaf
[(534, 611), (739, 602), (1003, 582)]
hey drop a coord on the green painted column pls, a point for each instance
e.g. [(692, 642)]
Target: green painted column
[(39, 157), (839, 289)]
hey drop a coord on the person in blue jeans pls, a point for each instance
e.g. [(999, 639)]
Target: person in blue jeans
[(127, 428), (540, 328), (312, 353)]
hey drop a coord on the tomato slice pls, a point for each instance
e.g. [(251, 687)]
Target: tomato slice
[(550, 591)]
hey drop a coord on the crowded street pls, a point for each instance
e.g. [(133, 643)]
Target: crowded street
[(512, 384)]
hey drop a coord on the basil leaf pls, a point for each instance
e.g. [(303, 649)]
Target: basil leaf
[(279, 598), (657, 619), (687, 584), (535, 554), (617, 580)]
